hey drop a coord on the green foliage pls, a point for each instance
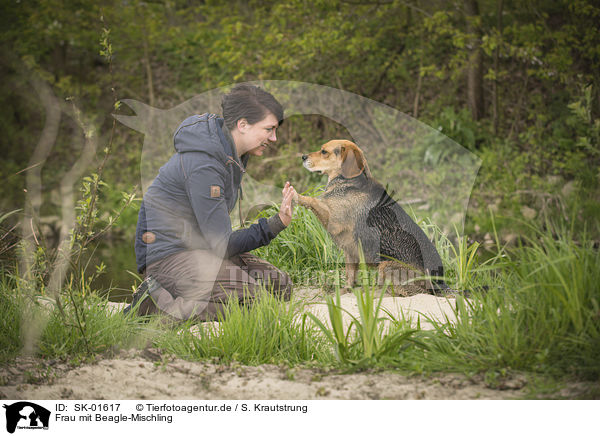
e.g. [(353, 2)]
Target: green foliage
[(164, 53), (458, 126), (8, 239), (585, 126)]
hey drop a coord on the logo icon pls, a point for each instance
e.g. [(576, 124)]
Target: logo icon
[(26, 415)]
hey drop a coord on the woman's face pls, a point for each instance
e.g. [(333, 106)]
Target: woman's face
[(259, 135)]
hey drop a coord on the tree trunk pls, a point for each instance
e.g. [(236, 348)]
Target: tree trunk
[(475, 66), (495, 108), (146, 59)]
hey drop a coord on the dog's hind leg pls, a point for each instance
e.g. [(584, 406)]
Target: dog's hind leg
[(400, 278), (351, 269), (383, 273)]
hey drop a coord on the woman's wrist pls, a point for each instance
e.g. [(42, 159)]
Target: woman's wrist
[(285, 219), (275, 223)]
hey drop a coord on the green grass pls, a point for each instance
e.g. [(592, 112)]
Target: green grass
[(543, 318), (104, 330), (540, 315), (270, 331), (31, 323), (12, 305), (371, 339)]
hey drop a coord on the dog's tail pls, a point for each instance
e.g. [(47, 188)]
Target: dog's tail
[(441, 289)]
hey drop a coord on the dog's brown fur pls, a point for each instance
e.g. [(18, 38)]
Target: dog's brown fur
[(357, 211)]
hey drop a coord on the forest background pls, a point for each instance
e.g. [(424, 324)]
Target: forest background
[(516, 83)]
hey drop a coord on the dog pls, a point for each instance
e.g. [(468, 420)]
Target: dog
[(358, 213)]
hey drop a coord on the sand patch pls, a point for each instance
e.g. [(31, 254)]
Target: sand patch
[(138, 375), (416, 309)]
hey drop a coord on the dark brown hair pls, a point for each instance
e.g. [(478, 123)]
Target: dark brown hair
[(249, 102)]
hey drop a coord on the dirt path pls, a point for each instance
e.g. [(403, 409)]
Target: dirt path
[(144, 375)]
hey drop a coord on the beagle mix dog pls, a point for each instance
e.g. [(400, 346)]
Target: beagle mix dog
[(358, 212)]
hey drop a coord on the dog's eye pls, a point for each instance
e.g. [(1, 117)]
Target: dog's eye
[(323, 152)]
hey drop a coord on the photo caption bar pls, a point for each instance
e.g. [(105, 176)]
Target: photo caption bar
[(97, 417)]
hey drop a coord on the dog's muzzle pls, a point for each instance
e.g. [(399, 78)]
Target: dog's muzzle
[(305, 162)]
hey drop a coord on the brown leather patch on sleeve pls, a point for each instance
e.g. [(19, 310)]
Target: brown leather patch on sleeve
[(215, 191), (148, 237)]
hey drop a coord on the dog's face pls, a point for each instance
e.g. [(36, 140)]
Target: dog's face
[(337, 157)]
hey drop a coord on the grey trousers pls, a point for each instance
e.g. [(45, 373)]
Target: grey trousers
[(197, 284)]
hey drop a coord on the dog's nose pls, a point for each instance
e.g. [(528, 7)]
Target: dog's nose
[(304, 156)]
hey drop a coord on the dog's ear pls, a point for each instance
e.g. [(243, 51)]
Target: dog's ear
[(353, 161)]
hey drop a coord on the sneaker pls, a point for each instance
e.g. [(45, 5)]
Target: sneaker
[(143, 291)]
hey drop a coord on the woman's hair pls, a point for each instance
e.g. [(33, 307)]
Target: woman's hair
[(249, 102)]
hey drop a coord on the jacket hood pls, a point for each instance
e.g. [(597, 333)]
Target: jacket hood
[(203, 133)]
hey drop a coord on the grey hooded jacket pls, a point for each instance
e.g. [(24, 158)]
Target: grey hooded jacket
[(187, 205)]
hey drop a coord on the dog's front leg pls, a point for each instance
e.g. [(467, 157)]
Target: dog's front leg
[(317, 206)]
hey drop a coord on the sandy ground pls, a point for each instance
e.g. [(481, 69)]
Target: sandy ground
[(417, 308), (145, 374)]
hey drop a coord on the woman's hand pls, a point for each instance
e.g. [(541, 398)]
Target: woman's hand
[(286, 210)]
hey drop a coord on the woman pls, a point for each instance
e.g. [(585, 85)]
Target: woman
[(184, 243)]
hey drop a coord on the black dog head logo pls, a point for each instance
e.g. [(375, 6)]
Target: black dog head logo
[(26, 414)]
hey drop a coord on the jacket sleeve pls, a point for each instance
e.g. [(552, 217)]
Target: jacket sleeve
[(205, 187), (257, 235)]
